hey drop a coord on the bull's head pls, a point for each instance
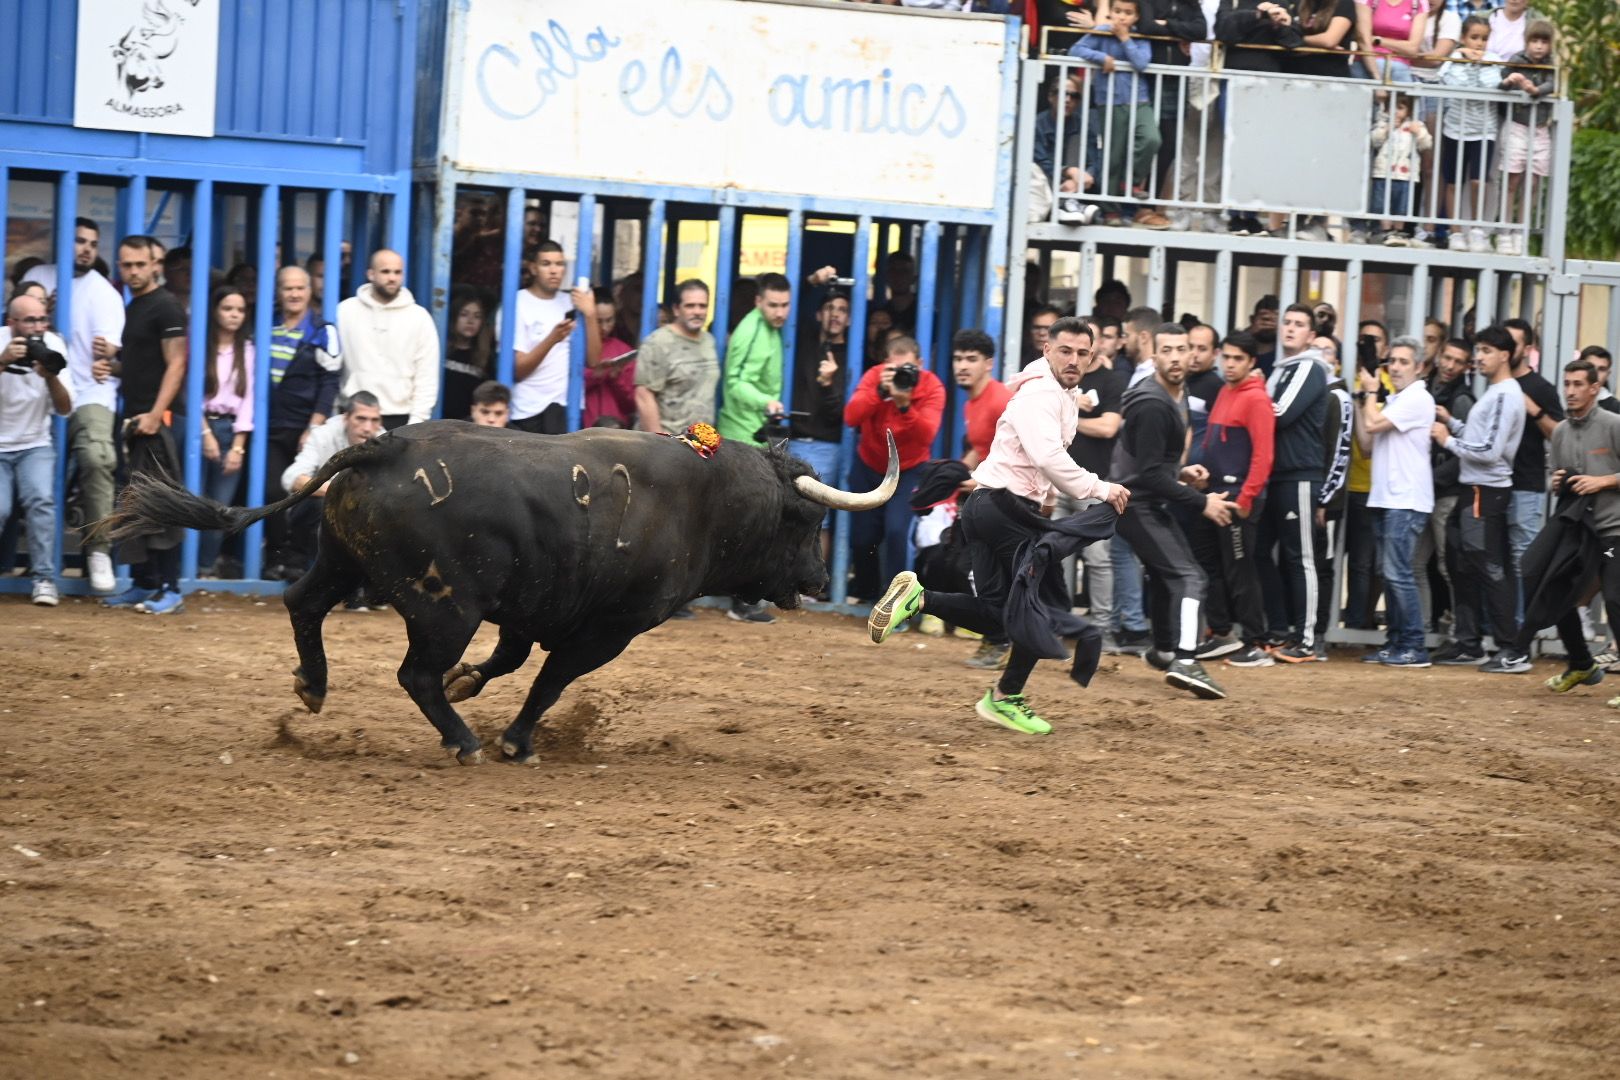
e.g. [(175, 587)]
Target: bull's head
[(802, 523)]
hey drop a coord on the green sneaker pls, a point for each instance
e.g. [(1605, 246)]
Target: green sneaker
[(900, 602), (1570, 679), (1011, 712)]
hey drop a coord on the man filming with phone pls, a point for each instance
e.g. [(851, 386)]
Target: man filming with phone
[(820, 378)]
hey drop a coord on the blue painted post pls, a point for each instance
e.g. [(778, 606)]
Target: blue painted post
[(927, 284), (972, 293), (672, 244), (880, 283), (197, 359), (263, 302), (511, 264), (838, 591), (399, 218), (332, 286), (1001, 261), (67, 208), (940, 361), (725, 268), (790, 329), (132, 217), (440, 248), (576, 348), (652, 260)]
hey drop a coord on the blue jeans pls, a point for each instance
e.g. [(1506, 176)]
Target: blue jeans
[(219, 487), (889, 526), (29, 476), (1525, 517), (1128, 614), (827, 458), (1400, 197), (1398, 532)]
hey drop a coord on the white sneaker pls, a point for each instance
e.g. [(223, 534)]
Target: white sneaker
[(45, 594), (1508, 244), (1314, 232), (1479, 241), (1456, 241), (102, 579), (1074, 212), (1214, 222), (1180, 220)]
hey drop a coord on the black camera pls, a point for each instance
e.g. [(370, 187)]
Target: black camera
[(905, 377), (35, 351), (1367, 353), (775, 429)]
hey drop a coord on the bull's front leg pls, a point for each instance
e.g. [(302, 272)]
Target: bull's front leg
[(468, 680), (584, 654)]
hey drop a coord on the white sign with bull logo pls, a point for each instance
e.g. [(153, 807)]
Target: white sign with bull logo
[(147, 65)]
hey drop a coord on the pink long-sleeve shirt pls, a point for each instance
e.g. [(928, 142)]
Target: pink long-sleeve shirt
[(226, 399), (1030, 454)]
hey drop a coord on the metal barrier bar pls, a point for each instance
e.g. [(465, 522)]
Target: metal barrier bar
[(512, 254), (332, 261), (927, 285), (790, 329), (838, 588), (577, 345), (725, 268), (197, 360), (938, 359), (67, 209), (263, 306), (652, 252)]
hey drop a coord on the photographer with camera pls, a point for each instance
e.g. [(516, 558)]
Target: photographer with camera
[(901, 397), (32, 388)]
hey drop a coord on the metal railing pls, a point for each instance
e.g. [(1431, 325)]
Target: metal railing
[(1464, 187)]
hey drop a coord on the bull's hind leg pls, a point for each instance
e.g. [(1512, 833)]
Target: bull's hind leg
[(334, 576), (466, 680), (438, 639), (565, 664)]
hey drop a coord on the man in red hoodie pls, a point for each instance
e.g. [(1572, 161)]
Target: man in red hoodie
[(904, 397), (1237, 451)]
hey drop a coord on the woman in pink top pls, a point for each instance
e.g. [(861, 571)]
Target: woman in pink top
[(610, 386), (1394, 30), (227, 407)]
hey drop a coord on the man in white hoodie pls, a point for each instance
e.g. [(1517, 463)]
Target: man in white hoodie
[(390, 344), (1017, 482)]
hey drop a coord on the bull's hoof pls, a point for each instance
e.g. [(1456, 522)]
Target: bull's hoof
[(312, 701), (462, 682), (475, 756), (511, 751)]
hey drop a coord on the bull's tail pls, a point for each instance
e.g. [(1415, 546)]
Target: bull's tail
[(152, 502)]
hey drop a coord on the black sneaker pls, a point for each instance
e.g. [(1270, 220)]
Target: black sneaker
[(1506, 662), (1218, 645), (1452, 654), (1133, 642), (1158, 660), (1295, 654), (1251, 656), (754, 613), (1190, 675)]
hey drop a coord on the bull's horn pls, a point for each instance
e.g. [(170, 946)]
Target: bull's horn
[(826, 495)]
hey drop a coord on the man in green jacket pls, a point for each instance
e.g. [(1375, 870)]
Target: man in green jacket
[(753, 373)]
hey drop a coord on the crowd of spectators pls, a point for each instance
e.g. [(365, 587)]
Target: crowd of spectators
[(1442, 171)]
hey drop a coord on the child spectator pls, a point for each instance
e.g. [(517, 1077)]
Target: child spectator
[(1467, 134), (1526, 137), (1398, 143), (610, 384), (1130, 127), (491, 404)]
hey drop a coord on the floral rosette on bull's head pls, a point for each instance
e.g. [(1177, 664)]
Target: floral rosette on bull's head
[(701, 437)]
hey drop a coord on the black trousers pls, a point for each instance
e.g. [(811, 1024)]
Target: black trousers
[(551, 420), (1289, 580), (1226, 553), (1175, 583), (993, 537), (1480, 549), (1570, 630), (395, 420)]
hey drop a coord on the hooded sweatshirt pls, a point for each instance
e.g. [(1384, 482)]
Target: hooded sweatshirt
[(1147, 457), (392, 350), (1298, 386), (1030, 453), (753, 377), (1237, 447)]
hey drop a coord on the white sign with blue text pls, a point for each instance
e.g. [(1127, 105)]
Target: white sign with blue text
[(147, 65), (822, 102)]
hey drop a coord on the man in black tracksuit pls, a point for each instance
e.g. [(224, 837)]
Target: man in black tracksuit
[(1299, 391), (1151, 444)]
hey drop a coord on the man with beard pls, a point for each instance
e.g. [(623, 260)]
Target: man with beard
[(1204, 381), (1027, 464), (1147, 459), (391, 344), (1448, 385), (1263, 328)]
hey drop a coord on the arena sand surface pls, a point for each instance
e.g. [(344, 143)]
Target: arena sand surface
[(781, 851)]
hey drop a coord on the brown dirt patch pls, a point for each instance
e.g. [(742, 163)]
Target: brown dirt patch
[(754, 851)]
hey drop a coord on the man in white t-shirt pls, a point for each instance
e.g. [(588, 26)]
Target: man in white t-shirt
[(1396, 437), (98, 315), (541, 344)]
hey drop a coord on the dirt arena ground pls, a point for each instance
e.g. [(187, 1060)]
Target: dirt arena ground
[(780, 851)]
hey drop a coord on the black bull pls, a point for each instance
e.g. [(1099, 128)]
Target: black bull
[(575, 542)]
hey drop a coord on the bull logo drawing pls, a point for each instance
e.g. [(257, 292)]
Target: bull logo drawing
[(140, 53)]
